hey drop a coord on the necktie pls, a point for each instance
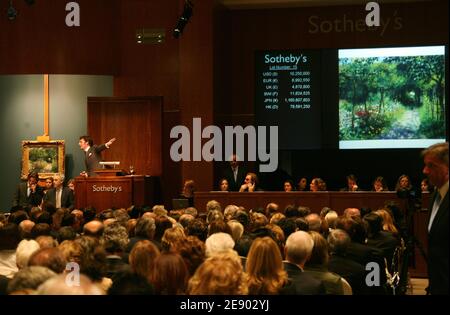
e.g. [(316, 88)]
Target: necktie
[(434, 210)]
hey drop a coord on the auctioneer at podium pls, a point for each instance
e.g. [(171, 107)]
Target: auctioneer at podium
[(93, 156)]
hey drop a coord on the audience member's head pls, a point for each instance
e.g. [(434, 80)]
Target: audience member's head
[(193, 252), (9, 236), (319, 254), (218, 243), (93, 228), (66, 233), (354, 228), (298, 248), (129, 283), (29, 278), (51, 258), (291, 211), (264, 267), (324, 212), (25, 228), (374, 223), (171, 237), (214, 215), (303, 211), (388, 222), (243, 217), (276, 217), (185, 219), (71, 250), (46, 241), (197, 228), (162, 223), (23, 252), (145, 228), (142, 259), (302, 224), (338, 241), (45, 217), (218, 226), (314, 222), (17, 217), (58, 286), (115, 238), (352, 213), (288, 226), (170, 275), (271, 209), (192, 211), (40, 229), (229, 212), (221, 274), (213, 205), (331, 218), (258, 220), (236, 229)]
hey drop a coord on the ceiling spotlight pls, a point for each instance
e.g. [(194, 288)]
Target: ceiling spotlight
[(184, 18), (12, 12)]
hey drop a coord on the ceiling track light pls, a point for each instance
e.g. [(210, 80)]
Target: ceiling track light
[(184, 18), (11, 12)]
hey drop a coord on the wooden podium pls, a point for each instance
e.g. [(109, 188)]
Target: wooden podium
[(108, 190)]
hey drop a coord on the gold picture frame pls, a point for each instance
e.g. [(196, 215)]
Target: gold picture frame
[(45, 158)]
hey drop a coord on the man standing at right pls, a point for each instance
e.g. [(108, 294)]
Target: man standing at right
[(436, 169)]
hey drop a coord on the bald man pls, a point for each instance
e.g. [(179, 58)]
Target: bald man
[(25, 228), (93, 228)]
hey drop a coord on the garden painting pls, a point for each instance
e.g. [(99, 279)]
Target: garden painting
[(44, 158), (392, 96)]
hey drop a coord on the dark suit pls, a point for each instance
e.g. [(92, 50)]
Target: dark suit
[(21, 197), (386, 242), (93, 158), (235, 185), (67, 198), (438, 236), (304, 284), (351, 271)]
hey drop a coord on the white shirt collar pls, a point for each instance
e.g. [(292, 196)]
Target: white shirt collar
[(87, 149)]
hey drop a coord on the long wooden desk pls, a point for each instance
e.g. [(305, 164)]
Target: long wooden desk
[(337, 201)]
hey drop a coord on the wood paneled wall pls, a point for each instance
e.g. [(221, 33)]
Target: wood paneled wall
[(136, 123), (38, 40)]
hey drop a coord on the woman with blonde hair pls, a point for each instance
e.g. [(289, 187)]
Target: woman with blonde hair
[(171, 237), (388, 222), (264, 267), (221, 274)]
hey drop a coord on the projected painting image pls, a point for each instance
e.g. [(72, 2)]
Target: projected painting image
[(391, 97)]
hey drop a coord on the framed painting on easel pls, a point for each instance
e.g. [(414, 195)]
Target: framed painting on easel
[(44, 158)]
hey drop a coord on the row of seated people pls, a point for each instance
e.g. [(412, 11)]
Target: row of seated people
[(230, 251), (30, 193), (251, 184)]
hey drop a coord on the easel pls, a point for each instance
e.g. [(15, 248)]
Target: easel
[(46, 136)]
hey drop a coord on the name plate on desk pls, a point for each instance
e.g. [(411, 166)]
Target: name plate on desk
[(104, 188)]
